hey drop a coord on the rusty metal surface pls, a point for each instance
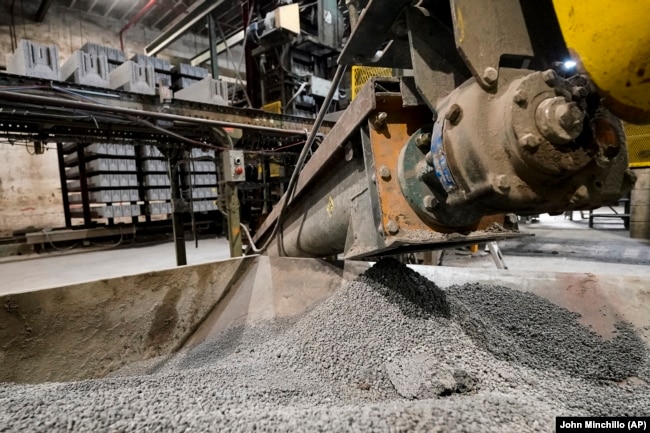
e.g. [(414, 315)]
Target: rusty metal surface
[(328, 151), (486, 30), (437, 67)]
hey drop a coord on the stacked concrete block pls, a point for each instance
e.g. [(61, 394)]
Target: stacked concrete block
[(158, 194), (205, 192), (204, 206), (184, 75), (35, 60), (119, 211), (206, 91), (134, 78), (104, 164), (156, 180), (162, 68), (114, 56), (107, 196), (159, 208), (640, 205), (85, 68), (106, 181), (154, 165)]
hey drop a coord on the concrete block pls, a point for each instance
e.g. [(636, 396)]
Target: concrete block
[(86, 68), (134, 78), (35, 60), (156, 180), (640, 197), (154, 165), (183, 82), (113, 55), (160, 65), (206, 91), (150, 151), (643, 178), (158, 194), (189, 71)]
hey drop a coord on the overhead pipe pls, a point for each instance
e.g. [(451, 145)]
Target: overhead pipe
[(141, 13)]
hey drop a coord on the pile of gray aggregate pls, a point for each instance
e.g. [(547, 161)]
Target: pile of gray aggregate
[(389, 352)]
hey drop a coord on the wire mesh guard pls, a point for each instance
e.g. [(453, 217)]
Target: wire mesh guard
[(638, 144), (361, 75)]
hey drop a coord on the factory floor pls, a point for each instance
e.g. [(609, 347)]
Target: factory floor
[(559, 245)]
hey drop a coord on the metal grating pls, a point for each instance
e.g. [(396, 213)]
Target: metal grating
[(638, 144), (361, 75)]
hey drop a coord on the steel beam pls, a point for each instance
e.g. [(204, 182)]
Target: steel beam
[(42, 10), (175, 30)]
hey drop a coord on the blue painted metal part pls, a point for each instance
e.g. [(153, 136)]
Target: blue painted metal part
[(443, 173)]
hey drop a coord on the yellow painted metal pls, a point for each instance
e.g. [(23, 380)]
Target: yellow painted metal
[(611, 42), (638, 144), (273, 107), (361, 75)]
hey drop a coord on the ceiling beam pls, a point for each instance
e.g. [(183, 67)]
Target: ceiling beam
[(42, 10), (233, 40), (175, 30)]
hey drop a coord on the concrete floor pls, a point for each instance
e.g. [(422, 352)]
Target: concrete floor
[(559, 245)]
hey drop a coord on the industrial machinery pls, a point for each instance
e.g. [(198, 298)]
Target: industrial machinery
[(493, 121)]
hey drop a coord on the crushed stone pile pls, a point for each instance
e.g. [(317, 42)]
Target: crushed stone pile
[(389, 352)]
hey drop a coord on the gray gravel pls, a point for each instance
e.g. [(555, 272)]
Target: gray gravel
[(388, 352)]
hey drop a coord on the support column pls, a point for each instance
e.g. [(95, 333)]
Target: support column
[(640, 205)]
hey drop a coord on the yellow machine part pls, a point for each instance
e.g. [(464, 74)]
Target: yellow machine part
[(361, 75), (638, 144), (610, 40), (273, 107)]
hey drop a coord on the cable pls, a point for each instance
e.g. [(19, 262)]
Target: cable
[(340, 70), (301, 89)]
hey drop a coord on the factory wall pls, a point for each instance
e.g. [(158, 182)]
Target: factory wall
[(30, 191)]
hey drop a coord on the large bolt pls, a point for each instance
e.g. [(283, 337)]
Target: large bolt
[(454, 113), (392, 227), (529, 142), (384, 172), (380, 120), (423, 142), (558, 120), (490, 75), (430, 202), (550, 77), (512, 218)]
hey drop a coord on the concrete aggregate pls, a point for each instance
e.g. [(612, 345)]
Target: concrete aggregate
[(389, 352)]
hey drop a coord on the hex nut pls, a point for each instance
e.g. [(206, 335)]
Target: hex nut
[(529, 142), (430, 202), (550, 77), (520, 98), (384, 172), (392, 227), (423, 141), (490, 75)]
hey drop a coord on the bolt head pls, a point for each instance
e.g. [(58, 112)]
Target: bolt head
[(570, 116), (454, 113), (579, 92), (423, 141), (430, 202), (490, 75), (392, 227), (529, 142), (520, 98), (550, 77), (384, 172), (428, 158), (502, 184), (382, 116)]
